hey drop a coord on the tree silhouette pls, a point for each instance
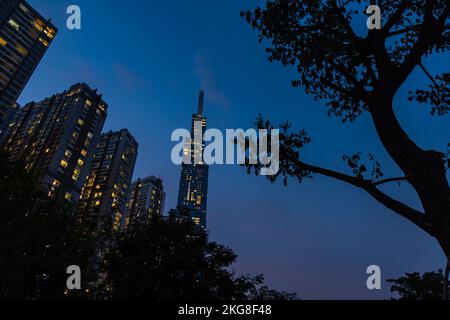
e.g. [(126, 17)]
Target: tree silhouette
[(173, 260), (355, 74), (39, 237), (415, 286)]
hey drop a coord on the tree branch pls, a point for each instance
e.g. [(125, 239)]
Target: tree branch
[(398, 207), (428, 74), (395, 17), (430, 35), (416, 27), (380, 182)]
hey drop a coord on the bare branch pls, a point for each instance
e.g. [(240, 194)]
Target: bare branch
[(416, 27), (380, 182), (400, 208), (428, 74)]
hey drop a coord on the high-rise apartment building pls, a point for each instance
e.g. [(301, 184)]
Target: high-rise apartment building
[(193, 188), (24, 38), (56, 138), (145, 200), (105, 192)]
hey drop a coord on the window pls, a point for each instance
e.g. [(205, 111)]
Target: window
[(68, 196), (50, 33), (44, 42), (38, 25), (13, 24), (22, 50), (83, 153), (56, 183), (76, 174), (3, 42), (64, 163), (25, 9), (80, 122)]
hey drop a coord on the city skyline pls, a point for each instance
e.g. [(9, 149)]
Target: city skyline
[(224, 105)]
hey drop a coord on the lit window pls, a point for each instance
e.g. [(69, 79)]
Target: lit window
[(22, 50), (64, 163), (76, 174), (13, 24), (3, 42), (83, 153), (68, 196), (80, 162), (25, 9), (68, 153), (50, 33), (88, 103), (80, 122), (38, 25), (56, 183), (44, 42)]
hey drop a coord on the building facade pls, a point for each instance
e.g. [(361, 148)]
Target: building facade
[(24, 38), (56, 138), (193, 187), (145, 200), (105, 192)]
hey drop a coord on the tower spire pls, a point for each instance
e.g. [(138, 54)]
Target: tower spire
[(200, 102)]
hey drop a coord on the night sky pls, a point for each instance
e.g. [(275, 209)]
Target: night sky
[(150, 59)]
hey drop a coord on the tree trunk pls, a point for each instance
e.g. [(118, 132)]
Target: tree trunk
[(446, 280)]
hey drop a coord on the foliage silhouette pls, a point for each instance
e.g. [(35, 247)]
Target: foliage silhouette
[(41, 236), (415, 286), (172, 260)]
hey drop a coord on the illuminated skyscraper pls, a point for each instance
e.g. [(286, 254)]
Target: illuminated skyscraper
[(145, 200), (193, 188), (105, 192), (24, 38), (56, 138)]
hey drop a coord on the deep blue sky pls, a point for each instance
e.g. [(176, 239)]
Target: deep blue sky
[(150, 59)]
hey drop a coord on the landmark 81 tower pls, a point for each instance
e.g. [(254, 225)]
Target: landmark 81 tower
[(193, 189)]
